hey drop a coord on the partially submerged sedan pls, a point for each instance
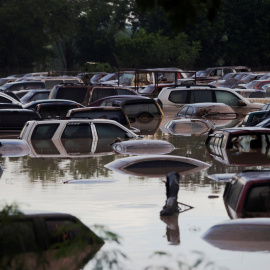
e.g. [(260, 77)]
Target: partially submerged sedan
[(156, 165)]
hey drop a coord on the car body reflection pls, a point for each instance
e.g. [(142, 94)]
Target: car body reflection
[(143, 147), (188, 127), (247, 195), (70, 148), (13, 148), (147, 125), (156, 165), (250, 235)]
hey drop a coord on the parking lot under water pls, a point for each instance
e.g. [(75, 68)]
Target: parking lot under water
[(130, 205)]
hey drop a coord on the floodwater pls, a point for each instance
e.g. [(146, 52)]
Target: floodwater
[(129, 206)]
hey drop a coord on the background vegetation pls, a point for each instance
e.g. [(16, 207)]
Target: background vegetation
[(63, 35)]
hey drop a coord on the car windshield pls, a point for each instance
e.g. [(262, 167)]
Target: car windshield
[(253, 84)]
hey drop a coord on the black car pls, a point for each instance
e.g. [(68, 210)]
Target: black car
[(134, 106), (13, 120), (45, 241), (34, 104), (85, 93), (35, 94)]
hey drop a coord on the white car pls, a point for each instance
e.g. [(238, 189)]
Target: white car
[(173, 98), (88, 129)]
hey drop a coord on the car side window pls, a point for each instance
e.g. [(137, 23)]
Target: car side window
[(76, 131), (227, 98), (183, 111), (5, 100), (99, 93), (190, 111), (38, 96), (198, 96), (44, 131), (124, 92), (106, 130), (178, 96)]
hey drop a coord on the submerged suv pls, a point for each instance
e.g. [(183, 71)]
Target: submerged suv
[(173, 98)]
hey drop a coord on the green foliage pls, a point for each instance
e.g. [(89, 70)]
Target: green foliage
[(98, 67)]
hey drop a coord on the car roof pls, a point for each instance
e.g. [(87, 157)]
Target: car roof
[(33, 103)]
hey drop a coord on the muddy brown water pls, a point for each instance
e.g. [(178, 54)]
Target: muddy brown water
[(129, 205)]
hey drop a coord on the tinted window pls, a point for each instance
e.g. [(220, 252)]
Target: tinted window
[(4, 100), (38, 96), (99, 93), (34, 85), (44, 131), (51, 83), (178, 96), (198, 96), (258, 199), (76, 94), (109, 131), (135, 109), (77, 131), (16, 119), (56, 110), (124, 92), (113, 115), (227, 98), (234, 193)]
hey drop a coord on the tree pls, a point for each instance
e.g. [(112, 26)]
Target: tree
[(182, 12)]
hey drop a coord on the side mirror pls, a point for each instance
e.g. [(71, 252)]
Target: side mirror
[(241, 103)]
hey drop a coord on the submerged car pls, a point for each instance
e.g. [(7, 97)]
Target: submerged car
[(13, 120), (140, 107), (215, 73), (86, 94), (173, 98), (240, 139), (248, 235), (40, 240), (247, 194), (189, 127), (143, 147), (114, 113), (156, 165), (219, 114), (33, 95), (253, 118)]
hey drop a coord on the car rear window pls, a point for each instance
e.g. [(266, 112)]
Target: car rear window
[(178, 96), (135, 109), (16, 119), (76, 94), (113, 115)]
